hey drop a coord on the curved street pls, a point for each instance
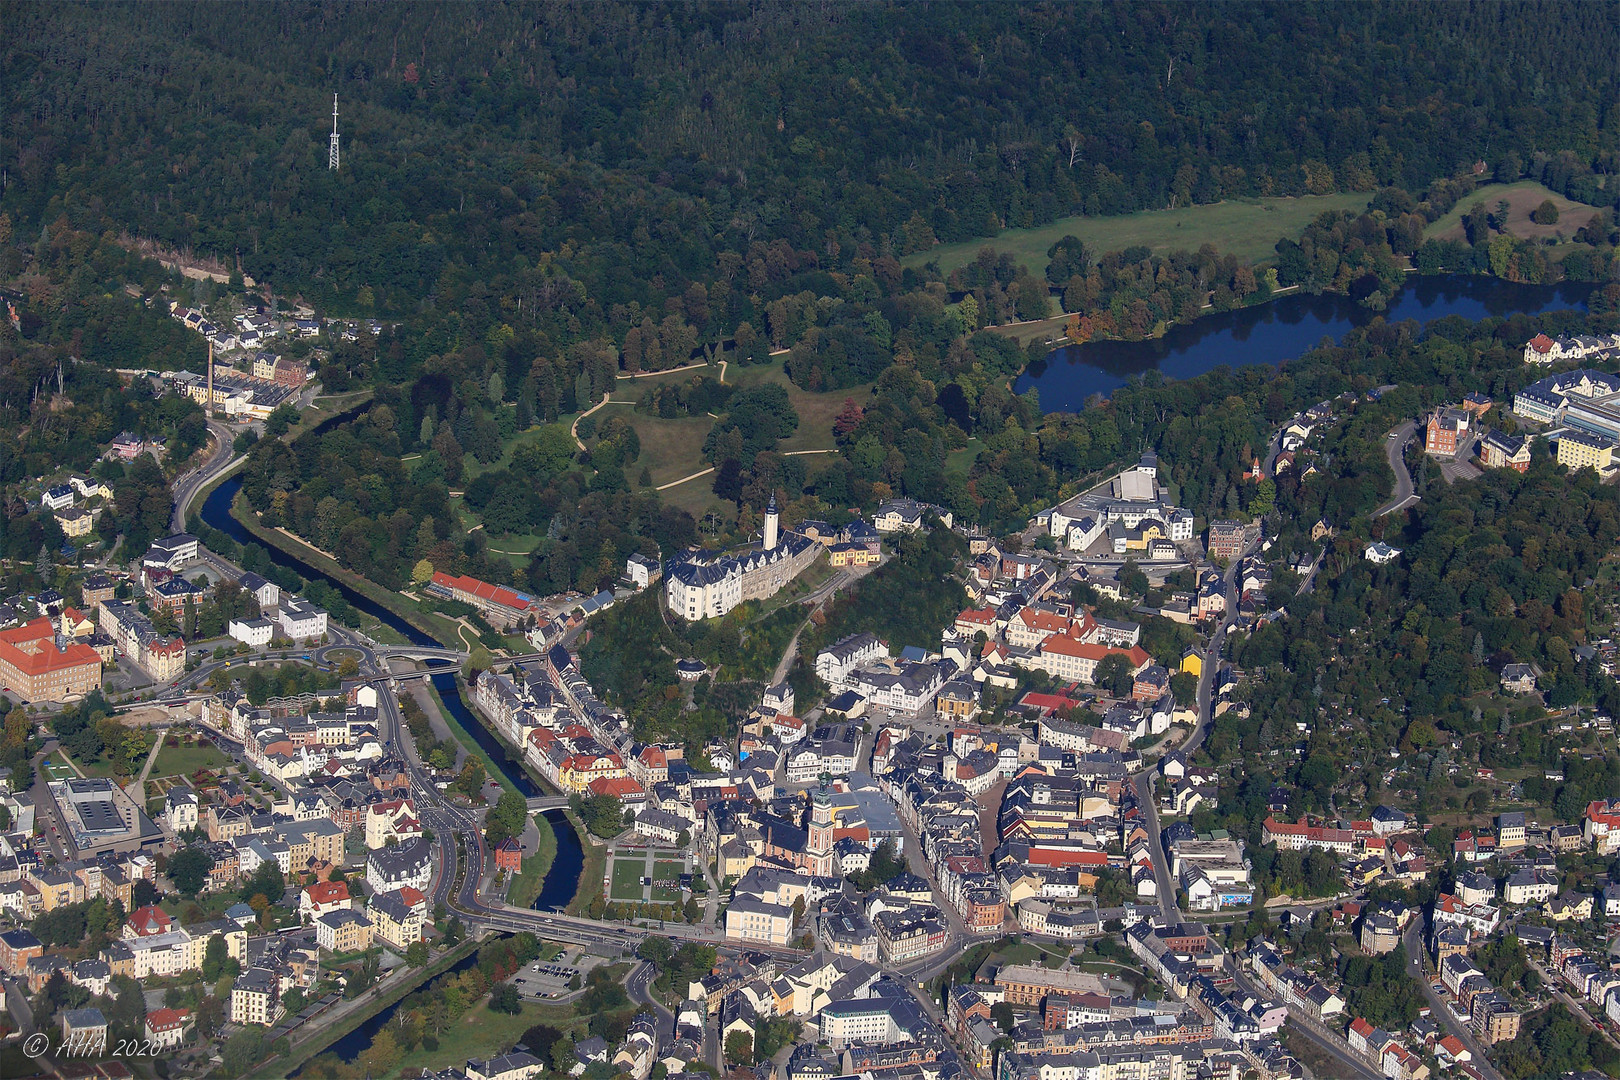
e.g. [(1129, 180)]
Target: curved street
[(1396, 451)]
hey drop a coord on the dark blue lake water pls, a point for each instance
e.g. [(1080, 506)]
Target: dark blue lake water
[(1276, 331)]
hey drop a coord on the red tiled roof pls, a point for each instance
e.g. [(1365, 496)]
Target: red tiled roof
[(150, 920), (492, 594), (328, 892), (620, 787), (167, 1019), (31, 649)]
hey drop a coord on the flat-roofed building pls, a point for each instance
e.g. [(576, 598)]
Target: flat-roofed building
[(96, 815)]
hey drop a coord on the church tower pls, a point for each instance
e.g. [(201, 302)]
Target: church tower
[(772, 525), (820, 845)]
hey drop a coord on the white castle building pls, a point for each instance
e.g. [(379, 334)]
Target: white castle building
[(703, 586)]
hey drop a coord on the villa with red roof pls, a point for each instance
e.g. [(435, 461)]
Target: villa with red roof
[(166, 1028), (395, 819), (980, 620), (323, 898), (1602, 826), (629, 793), (509, 856), (650, 766), (148, 921)]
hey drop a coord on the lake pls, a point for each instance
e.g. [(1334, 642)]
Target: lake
[(1276, 331)]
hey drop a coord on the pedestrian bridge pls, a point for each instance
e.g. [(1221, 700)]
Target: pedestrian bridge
[(548, 802)]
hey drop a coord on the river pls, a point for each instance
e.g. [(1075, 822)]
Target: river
[(1276, 331), (355, 1042), (216, 511), (558, 888), (562, 880)]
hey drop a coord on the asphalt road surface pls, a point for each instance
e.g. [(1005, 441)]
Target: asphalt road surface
[(1396, 450)]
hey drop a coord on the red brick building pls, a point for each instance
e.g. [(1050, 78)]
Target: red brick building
[(509, 856)]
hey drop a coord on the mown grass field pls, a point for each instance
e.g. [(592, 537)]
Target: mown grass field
[(1247, 228), (185, 760), (1522, 197), (673, 449)]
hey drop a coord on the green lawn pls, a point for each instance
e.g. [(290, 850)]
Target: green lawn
[(527, 884), (627, 874), (666, 871), (1522, 198), (482, 1033), (185, 760), (1247, 228)]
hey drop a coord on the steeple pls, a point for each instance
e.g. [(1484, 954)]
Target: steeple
[(820, 841), (772, 524)]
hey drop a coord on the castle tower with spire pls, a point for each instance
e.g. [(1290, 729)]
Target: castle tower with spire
[(772, 525)]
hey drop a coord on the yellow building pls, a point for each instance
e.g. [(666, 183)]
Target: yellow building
[(75, 521), (1192, 662), (852, 555), (1578, 450)]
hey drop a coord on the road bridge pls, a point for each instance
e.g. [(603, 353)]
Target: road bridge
[(548, 802), (419, 652)]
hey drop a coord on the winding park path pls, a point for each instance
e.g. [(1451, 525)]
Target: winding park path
[(573, 429), (677, 370)]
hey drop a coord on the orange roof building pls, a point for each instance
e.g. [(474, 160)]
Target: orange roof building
[(505, 604), (36, 667), (622, 788)]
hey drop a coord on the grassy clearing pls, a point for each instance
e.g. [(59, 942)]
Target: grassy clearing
[(627, 874), (482, 1033), (185, 760), (1247, 228), (666, 871), (1522, 198)]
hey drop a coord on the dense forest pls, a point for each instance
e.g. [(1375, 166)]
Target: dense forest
[(545, 197), (589, 157)]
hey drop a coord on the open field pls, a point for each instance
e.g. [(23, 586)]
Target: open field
[(627, 874), (185, 760), (481, 1033), (1523, 197), (672, 449), (666, 871), (1247, 228)]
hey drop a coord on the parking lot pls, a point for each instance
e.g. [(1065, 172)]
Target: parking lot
[(551, 980)]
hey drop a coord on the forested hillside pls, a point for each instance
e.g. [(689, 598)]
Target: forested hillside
[(586, 165)]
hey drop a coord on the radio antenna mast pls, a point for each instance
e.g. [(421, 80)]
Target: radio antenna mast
[(332, 154)]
